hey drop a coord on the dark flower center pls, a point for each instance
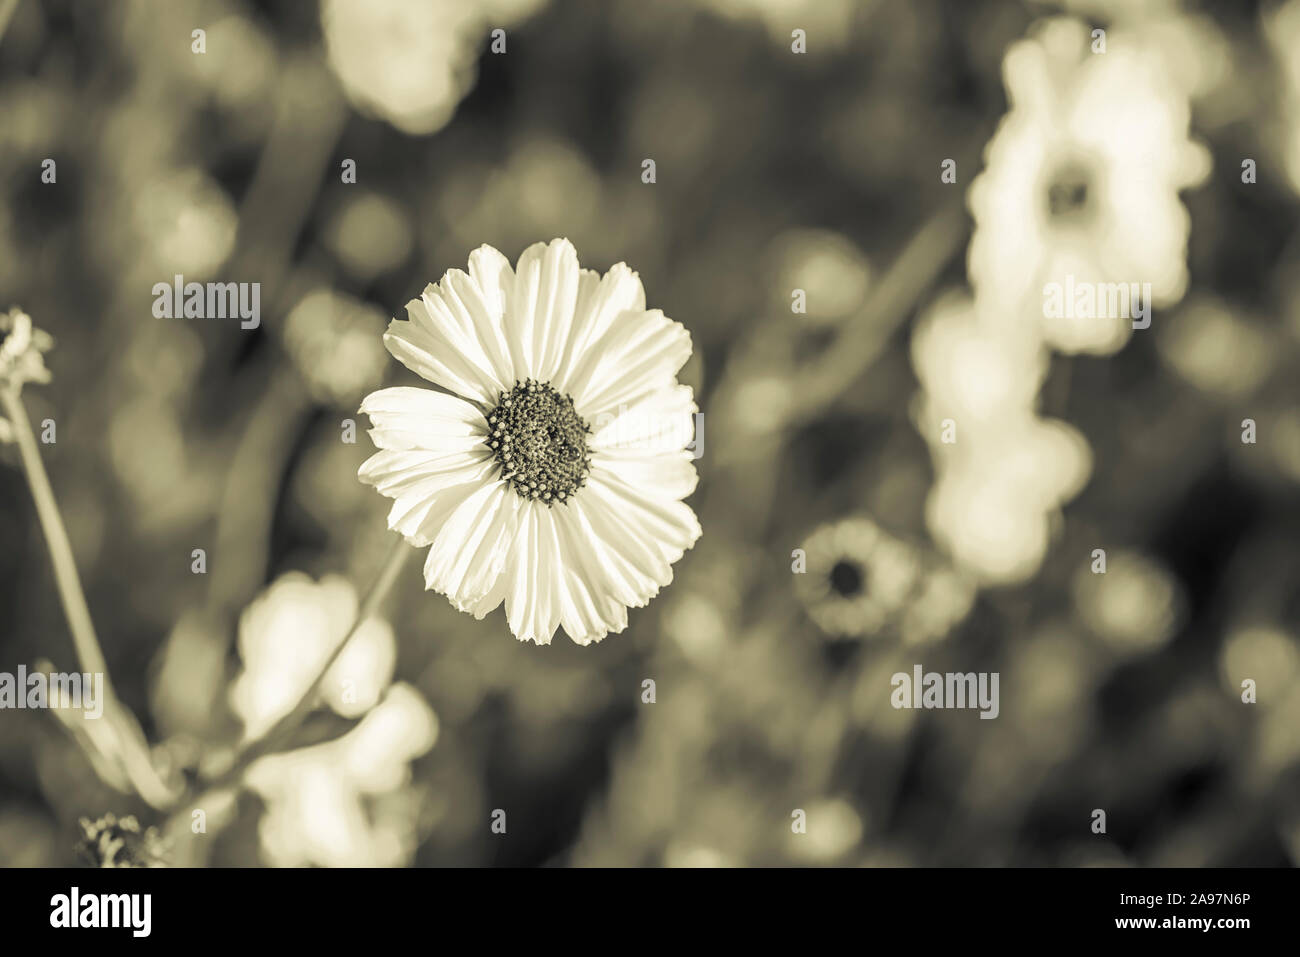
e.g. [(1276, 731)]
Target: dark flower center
[(847, 578), (540, 442), (1069, 192)]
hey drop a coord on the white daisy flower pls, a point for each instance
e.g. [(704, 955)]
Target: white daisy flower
[(524, 476), (1082, 180), (348, 802)]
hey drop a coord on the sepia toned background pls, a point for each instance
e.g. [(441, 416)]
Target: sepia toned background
[(832, 555)]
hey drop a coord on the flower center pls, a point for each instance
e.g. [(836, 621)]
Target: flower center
[(1069, 193), (540, 442), (846, 578)]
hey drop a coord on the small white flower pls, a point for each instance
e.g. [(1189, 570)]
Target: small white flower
[(284, 637), (995, 501), (858, 577), (22, 347), (972, 372), (521, 480), (348, 802), (1000, 483), (1082, 180), (410, 63)]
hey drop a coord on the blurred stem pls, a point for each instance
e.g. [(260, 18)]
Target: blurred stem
[(283, 730), (56, 536), (893, 299), (246, 513), (309, 117), (134, 748), (820, 382), (7, 8)]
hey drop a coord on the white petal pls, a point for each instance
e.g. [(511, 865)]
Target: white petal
[(529, 594), (421, 510), (640, 353), (668, 525), (431, 456), (555, 579), (462, 294), (469, 553), (491, 270), (437, 344), (411, 418), (589, 610), (582, 564), (497, 593), (398, 472), (541, 308), (663, 420), (600, 302), (631, 570), (671, 474)]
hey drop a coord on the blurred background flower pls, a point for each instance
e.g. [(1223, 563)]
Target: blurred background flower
[(857, 577), (348, 803), (1082, 180), (410, 63), (284, 638)]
